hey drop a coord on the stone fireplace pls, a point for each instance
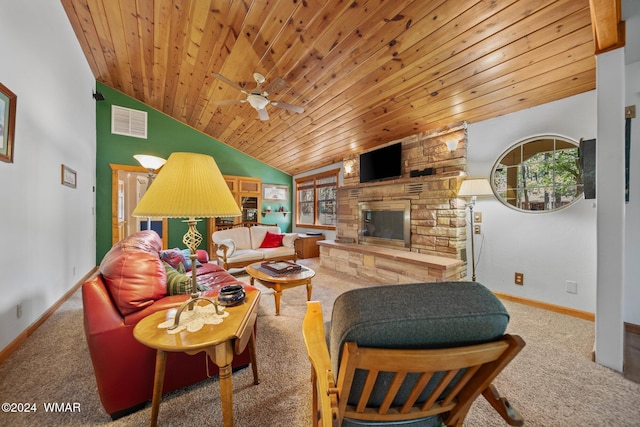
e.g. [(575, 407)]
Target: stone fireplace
[(410, 228), (385, 223)]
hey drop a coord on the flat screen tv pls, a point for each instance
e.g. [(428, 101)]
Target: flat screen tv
[(383, 163)]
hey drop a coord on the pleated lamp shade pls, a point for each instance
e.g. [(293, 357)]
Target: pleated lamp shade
[(189, 185)]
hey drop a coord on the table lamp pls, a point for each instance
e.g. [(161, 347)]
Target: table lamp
[(191, 186), (473, 188)]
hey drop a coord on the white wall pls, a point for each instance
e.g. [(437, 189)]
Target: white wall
[(47, 229), (631, 296), (549, 248)]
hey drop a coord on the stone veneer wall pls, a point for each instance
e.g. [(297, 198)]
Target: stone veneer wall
[(438, 217)]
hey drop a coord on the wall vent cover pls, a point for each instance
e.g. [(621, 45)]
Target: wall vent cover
[(415, 188), (125, 121), (354, 193)]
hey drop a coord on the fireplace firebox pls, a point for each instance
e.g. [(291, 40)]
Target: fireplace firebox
[(385, 223)]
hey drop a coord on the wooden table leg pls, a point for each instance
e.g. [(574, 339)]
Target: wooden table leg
[(222, 355), (309, 288), (158, 380), (277, 293), (253, 357), (226, 395)]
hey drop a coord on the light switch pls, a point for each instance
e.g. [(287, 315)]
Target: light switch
[(477, 217)]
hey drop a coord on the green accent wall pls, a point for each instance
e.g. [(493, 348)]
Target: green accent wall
[(164, 136)]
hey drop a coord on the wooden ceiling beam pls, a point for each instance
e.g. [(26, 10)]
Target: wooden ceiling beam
[(607, 23)]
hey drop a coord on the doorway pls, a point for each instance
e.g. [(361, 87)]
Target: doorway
[(128, 185)]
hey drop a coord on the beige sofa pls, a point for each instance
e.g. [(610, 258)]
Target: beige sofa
[(241, 245)]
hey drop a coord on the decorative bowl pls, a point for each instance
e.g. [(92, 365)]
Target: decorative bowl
[(231, 295)]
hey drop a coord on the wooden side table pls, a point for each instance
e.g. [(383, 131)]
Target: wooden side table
[(218, 341), (282, 282), (307, 246)]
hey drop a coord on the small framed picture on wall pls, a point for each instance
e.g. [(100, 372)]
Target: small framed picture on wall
[(69, 177), (275, 193), (7, 124)]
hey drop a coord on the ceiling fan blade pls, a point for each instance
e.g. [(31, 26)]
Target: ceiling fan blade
[(230, 101), (262, 113), (294, 108), (275, 85), (229, 82)]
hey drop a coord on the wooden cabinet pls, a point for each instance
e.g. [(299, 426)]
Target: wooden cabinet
[(247, 192), (307, 246)]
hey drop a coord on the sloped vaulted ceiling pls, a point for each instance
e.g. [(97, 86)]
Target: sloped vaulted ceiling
[(366, 72)]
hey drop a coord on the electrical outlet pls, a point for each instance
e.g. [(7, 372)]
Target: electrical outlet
[(572, 287), (477, 217), (19, 311), (477, 229), (519, 279)]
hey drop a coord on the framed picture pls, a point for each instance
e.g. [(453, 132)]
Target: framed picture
[(275, 193), (8, 123), (68, 177)]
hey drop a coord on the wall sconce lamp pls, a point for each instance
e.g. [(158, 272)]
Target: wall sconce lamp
[(151, 164), (349, 165), (452, 145), (98, 96), (473, 188)]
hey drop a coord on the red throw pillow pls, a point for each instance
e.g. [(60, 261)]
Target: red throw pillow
[(272, 240)]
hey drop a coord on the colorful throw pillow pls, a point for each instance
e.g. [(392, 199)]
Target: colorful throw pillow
[(173, 257), (202, 256), (187, 262), (177, 283), (272, 240)]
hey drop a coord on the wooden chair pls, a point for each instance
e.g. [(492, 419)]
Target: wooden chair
[(388, 385)]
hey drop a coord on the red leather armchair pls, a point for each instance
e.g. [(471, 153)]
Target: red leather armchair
[(130, 285)]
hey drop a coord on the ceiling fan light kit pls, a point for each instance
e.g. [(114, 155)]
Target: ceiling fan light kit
[(258, 98), (257, 101)]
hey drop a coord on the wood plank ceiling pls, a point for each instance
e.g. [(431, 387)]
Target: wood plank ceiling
[(366, 72)]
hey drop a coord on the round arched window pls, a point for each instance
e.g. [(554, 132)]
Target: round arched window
[(539, 174)]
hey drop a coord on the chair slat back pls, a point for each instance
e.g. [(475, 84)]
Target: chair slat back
[(456, 368), (387, 385)]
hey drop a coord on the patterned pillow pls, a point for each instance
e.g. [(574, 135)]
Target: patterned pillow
[(173, 257), (187, 260), (177, 283)]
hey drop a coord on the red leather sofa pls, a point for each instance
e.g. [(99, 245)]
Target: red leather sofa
[(130, 285)]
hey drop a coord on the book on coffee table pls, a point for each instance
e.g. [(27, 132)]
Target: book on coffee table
[(280, 267)]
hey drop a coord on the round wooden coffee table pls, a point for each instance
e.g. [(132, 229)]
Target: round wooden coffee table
[(281, 282)]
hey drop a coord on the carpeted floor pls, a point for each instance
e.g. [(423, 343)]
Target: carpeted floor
[(552, 382)]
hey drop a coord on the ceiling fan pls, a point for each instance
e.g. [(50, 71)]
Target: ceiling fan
[(258, 98)]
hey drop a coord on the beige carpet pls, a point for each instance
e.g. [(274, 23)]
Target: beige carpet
[(552, 382)]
